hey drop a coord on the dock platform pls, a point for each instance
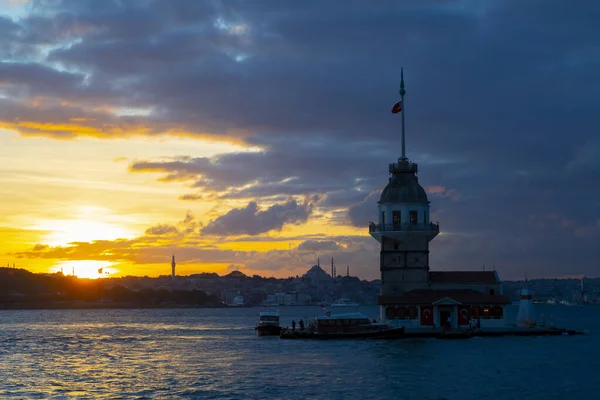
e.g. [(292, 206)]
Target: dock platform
[(454, 334)]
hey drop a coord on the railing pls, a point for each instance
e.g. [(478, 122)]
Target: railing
[(432, 226)]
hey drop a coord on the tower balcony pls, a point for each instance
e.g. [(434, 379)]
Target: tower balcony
[(431, 227)]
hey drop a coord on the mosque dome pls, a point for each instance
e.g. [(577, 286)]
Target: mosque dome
[(403, 186)]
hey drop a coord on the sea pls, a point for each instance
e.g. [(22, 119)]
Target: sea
[(200, 353)]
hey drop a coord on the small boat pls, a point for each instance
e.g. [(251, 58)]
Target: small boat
[(344, 302), (268, 324), (344, 326), (238, 301)]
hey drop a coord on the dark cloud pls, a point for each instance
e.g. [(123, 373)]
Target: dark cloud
[(500, 107), (251, 220), (365, 211), (316, 246)]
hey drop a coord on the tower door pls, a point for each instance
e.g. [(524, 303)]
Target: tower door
[(446, 317)]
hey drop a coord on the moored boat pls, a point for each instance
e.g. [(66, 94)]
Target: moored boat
[(344, 326), (268, 324)]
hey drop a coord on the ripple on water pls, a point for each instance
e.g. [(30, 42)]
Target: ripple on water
[(214, 354)]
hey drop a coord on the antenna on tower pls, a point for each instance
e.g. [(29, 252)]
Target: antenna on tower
[(402, 93), (347, 270)]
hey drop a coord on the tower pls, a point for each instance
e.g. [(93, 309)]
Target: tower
[(332, 269), (404, 229), (173, 267), (525, 316)]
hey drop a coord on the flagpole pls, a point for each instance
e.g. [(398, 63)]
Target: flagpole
[(402, 92)]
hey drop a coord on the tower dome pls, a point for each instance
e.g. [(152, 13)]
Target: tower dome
[(403, 186)]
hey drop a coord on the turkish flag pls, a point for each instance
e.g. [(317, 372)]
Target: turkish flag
[(426, 315), (397, 107)]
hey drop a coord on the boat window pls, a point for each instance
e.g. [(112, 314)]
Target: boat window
[(268, 318)]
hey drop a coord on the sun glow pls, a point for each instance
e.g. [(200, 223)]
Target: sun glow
[(90, 223), (91, 269), (63, 232)]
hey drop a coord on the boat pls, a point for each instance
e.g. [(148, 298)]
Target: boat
[(268, 324), (238, 301), (344, 302), (344, 326)]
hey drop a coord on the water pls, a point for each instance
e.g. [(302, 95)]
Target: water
[(214, 354)]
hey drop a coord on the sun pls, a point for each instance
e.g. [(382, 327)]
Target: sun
[(91, 269)]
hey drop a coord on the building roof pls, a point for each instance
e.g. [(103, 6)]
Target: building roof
[(404, 188), (462, 296), (317, 273), (464, 277)]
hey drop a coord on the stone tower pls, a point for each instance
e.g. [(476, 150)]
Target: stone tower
[(404, 229)]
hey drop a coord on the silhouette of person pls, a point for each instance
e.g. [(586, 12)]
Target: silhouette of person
[(294, 326), (301, 325)]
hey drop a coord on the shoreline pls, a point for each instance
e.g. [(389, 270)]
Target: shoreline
[(98, 306)]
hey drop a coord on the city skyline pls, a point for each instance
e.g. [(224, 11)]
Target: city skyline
[(256, 136)]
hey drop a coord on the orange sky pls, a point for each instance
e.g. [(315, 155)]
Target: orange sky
[(74, 204)]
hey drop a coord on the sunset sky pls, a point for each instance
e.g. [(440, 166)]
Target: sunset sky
[(256, 135)]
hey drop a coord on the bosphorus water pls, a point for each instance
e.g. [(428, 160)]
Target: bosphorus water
[(215, 354)]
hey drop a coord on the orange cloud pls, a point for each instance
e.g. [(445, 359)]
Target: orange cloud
[(442, 191)]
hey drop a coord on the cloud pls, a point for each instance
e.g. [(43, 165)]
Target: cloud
[(315, 246), (310, 86), (161, 230), (441, 191), (360, 214), (251, 220)]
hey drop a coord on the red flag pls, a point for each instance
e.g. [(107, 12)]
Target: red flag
[(397, 107)]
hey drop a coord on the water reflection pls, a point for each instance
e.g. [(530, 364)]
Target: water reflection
[(196, 353)]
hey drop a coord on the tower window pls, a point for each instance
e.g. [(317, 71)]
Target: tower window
[(413, 217), (396, 217), (395, 245), (424, 217), (383, 217)]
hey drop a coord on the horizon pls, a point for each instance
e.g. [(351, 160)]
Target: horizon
[(257, 136), (165, 276)]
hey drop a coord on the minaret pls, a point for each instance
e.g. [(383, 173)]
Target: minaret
[(404, 229), (332, 269), (173, 267), (347, 270)]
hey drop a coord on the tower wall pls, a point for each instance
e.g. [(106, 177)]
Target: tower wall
[(404, 263)]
